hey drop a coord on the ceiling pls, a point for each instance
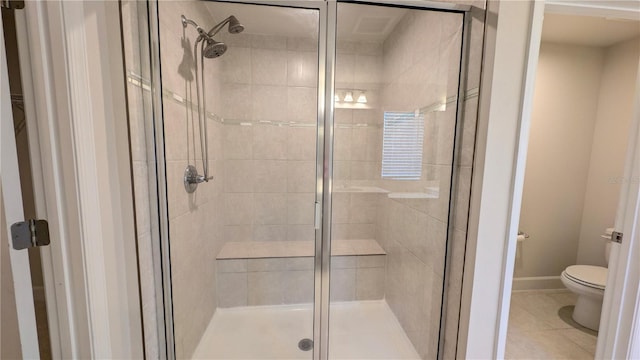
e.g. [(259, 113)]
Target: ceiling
[(374, 23), (588, 30), (355, 22)]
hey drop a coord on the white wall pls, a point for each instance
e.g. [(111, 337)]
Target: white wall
[(9, 337), (615, 109), (562, 125), (579, 130), (496, 179)]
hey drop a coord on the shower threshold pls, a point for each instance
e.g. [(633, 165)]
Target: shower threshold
[(358, 330)]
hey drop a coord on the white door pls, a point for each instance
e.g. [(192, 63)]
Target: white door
[(621, 307), (10, 194)]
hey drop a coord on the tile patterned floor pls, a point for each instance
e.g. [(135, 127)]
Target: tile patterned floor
[(359, 330), (540, 327)]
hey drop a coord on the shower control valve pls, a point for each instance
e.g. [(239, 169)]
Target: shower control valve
[(192, 179)]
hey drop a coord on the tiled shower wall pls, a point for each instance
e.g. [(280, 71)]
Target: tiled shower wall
[(269, 92), (414, 231), (358, 140), (269, 108), (421, 69), (195, 220)]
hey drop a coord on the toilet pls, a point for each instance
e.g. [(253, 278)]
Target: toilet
[(588, 282)]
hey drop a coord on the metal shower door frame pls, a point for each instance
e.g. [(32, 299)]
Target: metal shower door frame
[(327, 40)]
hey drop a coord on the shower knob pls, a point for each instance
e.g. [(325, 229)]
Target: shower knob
[(192, 179)]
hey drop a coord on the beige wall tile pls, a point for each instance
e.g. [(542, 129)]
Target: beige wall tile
[(367, 69), (270, 264), (237, 233), (269, 176), (302, 68), (370, 283), (300, 208), (301, 143), (269, 103), (343, 262), (280, 287), (301, 176), (268, 42), (302, 104), (303, 43), (345, 69), (343, 285), (232, 289), (237, 102), (372, 261), (179, 145), (237, 66), (300, 232), (300, 287), (239, 176), (270, 142), (300, 263), (268, 67), (270, 208), (231, 266), (239, 209), (238, 142), (269, 232)]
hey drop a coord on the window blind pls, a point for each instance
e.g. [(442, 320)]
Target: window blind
[(402, 140)]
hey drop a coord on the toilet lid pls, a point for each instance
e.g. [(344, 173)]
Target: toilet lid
[(593, 276)]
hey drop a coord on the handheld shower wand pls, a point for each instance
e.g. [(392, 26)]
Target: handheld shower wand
[(210, 49)]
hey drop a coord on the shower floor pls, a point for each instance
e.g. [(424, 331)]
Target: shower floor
[(358, 330)]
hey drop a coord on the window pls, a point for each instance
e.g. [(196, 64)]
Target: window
[(402, 139)]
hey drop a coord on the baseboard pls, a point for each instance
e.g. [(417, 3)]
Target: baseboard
[(537, 283)]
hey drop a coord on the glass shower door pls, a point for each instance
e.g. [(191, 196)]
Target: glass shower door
[(242, 245), (396, 88), (295, 155)]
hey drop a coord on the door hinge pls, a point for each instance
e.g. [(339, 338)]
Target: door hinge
[(30, 233), (12, 4), (616, 237)]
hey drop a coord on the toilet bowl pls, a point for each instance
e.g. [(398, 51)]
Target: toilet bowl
[(588, 282)]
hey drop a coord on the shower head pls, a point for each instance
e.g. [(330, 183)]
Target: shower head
[(213, 49), (234, 25)]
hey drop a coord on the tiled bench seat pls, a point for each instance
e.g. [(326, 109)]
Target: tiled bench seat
[(281, 272)]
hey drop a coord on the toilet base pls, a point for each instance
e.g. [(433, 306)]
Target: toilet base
[(587, 312)]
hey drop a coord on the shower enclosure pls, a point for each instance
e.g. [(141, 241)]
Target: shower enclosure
[(332, 135)]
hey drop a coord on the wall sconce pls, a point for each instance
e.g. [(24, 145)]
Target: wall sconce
[(344, 98), (348, 97)]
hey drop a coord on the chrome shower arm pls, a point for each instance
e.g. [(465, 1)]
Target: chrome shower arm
[(201, 32), (216, 29), (186, 22)]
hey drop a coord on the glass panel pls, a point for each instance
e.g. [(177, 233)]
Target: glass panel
[(397, 73), (242, 244)]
